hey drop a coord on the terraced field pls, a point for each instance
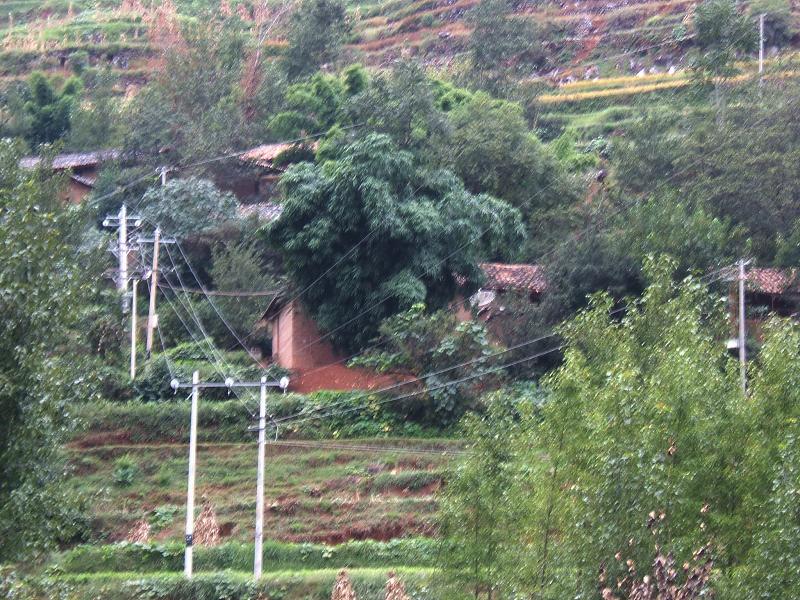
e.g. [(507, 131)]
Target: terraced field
[(605, 37), (329, 494)]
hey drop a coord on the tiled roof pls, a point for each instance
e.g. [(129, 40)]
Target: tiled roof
[(772, 281), (501, 276), (86, 180), (74, 160), (266, 154), (264, 211)]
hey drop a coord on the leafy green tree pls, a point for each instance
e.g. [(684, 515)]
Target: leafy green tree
[(376, 234), (501, 46), (236, 266), (184, 207), (316, 33), (698, 240), (49, 110), (96, 126), (419, 343), (721, 33), (490, 147), (649, 406), (499, 521), (192, 109), (400, 103), (749, 181), (476, 510), (778, 23), (41, 292), (309, 107)]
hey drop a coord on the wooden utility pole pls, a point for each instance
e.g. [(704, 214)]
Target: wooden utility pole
[(151, 313)]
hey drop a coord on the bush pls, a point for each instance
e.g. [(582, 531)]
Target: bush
[(125, 470), (369, 584), (356, 415), (278, 556)]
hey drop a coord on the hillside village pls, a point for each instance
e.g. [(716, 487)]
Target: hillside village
[(399, 299)]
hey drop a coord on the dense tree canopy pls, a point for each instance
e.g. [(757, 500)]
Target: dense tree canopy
[(184, 207), (50, 111), (41, 291), (378, 234), (315, 37)]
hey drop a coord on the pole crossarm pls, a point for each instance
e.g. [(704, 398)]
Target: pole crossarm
[(176, 385)]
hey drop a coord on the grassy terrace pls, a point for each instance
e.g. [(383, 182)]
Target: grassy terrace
[(312, 494)]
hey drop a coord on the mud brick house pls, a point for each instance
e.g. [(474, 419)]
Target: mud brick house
[(768, 291), (263, 171), (502, 280), (81, 167), (299, 345)]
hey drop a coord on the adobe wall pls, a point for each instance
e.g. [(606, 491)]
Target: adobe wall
[(295, 342)]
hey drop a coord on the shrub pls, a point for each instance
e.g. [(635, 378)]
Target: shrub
[(125, 470), (278, 556)]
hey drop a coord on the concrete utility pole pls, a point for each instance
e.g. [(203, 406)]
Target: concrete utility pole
[(262, 425), (760, 47), (229, 384), (151, 313), (188, 553), (121, 222), (742, 332), (133, 329)]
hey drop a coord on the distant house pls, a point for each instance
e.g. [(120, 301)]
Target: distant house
[(298, 344), (523, 280), (266, 212), (262, 162), (81, 167), (768, 291)]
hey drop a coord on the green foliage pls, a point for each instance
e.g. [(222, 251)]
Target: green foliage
[(355, 79), (421, 343), (278, 556), (50, 111), (485, 499), (565, 149), (663, 224), (162, 516), (500, 46), (193, 108), (186, 207), (237, 267), (399, 225), (309, 107), (778, 23), (357, 414), (491, 148), (369, 584), (720, 33), (400, 103), (645, 430), (316, 33), (97, 125), (748, 181), (41, 369), (153, 382), (125, 470)]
